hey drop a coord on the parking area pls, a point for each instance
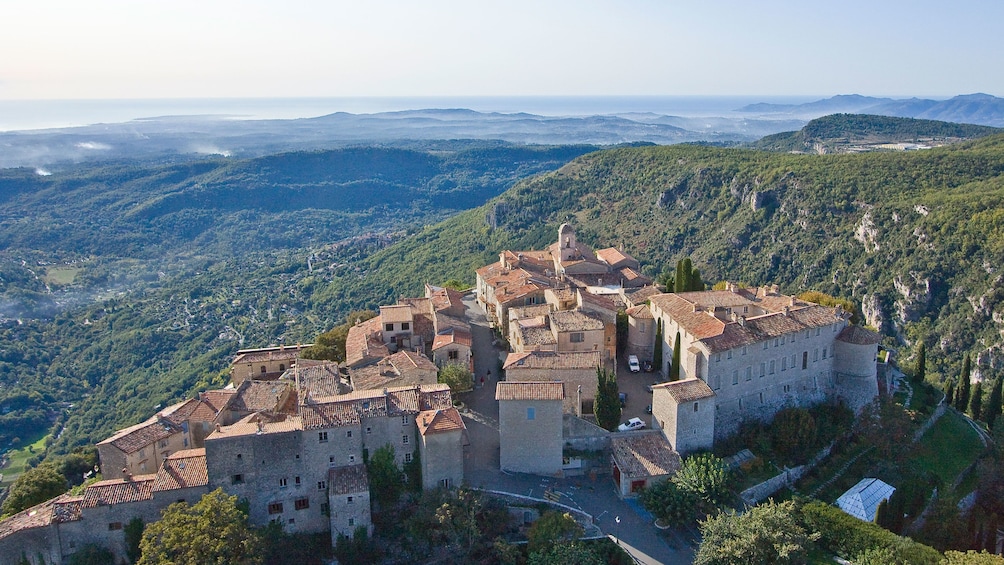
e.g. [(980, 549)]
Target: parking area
[(633, 384)]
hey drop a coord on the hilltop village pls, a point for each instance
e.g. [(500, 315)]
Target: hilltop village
[(291, 435)]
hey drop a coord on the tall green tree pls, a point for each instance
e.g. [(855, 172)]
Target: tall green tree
[(552, 527), (674, 368), (706, 477), (680, 279), (962, 392), (607, 406), (213, 530), (669, 503), (695, 280), (658, 349), (385, 477), (765, 534), (32, 487), (993, 408), (920, 373), (457, 376), (976, 402)]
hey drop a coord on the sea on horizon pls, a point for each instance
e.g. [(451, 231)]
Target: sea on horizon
[(16, 115)]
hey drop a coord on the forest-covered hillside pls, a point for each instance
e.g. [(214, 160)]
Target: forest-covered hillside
[(915, 237)]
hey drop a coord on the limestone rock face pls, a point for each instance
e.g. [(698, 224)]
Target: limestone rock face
[(916, 296), (871, 309), (867, 233)]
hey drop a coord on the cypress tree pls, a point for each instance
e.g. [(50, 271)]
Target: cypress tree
[(993, 408), (688, 273), (695, 280), (962, 392), (657, 350), (976, 402), (950, 394), (607, 406), (882, 514), (921, 371), (680, 279), (674, 369)]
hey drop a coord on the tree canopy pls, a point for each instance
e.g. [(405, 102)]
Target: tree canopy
[(766, 533)]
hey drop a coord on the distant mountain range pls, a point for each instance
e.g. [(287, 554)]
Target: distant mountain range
[(981, 109)]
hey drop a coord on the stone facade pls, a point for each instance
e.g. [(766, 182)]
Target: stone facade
[(530, 426), (576, 370), (442, 437), (685, 412), (760, 351), (263, 363), (349, 501)]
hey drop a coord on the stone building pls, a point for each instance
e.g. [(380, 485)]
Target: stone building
[(759, 351), (641, 332), (641, 459), (685, 412), (56, 529), (442, 436), (263, 363), (141, 449), (349, 501), (530, 426), (577, 370)]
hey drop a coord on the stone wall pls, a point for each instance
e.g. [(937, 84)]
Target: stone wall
[(786, 477), (530, 445)]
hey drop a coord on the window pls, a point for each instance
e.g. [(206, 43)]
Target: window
[(641, 328), (296, 481), (735, 377), (784, 364), (263, 370), (717, 380), (729, 354), (322, 485), (238, 456), (749, 373), (576, 337), (744, 350), (740, 403), (445, 483), (763, 369), (696, 406), (453, 355), (163, 443), (775, 342), (352, 522), (405, 325), (237, 479), (407, 458), (369, 430), (297, 456), (352, 458), (322, 437), (531, 413), (404, 420), (301, 504), (388, 327), (761, 398), (275, 508), (793, 360), (404, 439), (817, 331), (331, 459), (815, 355), (787, 388), (765, 346), (350, 500), (325, 509), (772, 366), (348, 433), (805, 360), (824, 353), (115, 525), (282, 482), (718, 357)]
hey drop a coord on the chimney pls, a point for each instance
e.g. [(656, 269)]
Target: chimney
[(741, 320), (791, 300), (217, 426), (126, 474), (787, 311)]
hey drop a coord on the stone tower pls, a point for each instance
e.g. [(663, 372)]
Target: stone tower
[(566, 241)]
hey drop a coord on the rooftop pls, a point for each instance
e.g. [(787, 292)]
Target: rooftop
[(574, 321), (117, 491), (396, 314), (268, 354), (687, 390), (862, 499), (552, 360), (134, 438), (450, 337), (403, 368), (859, 336), (63, 508), (529, 391), (439, 421), (644, 454), (182, 469), (348, 480)]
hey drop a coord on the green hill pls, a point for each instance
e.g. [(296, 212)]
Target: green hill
[(841, 133), (916, 236)]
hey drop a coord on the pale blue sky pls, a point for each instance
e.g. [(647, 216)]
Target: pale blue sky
[(59, 49)]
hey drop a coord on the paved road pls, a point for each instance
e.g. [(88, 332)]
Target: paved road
[(598, 498)]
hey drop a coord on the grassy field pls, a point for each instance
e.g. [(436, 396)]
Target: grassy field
[(18, 458), (947, 448), (60, 276)]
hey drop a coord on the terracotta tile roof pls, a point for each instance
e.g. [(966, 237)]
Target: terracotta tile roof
[(193, 409), (639, 296), (554, 361), (859, 336), (445, 321), (319, 380), (217, 399), (400, 369), (687, 390), (258, 424), (530, 391), (536, 261), (631, 277), (435, 397), (769, 326), (616, 258), (403, 401), (451, 336), (574, 321), (328, 415), (641, 312), (134, 438), (535, 335), (182, 469), (268, 354), (439, 421), (397, 313), (364, 342), (117, 491), (63, 508), (700, 324), (348, 480), (645, 454), (513, 285), (597, 301), (256, 396), (527, 312), (445, 299)]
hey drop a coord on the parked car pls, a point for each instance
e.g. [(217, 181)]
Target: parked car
[(631, 425), (633, 364), (647, 366)]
